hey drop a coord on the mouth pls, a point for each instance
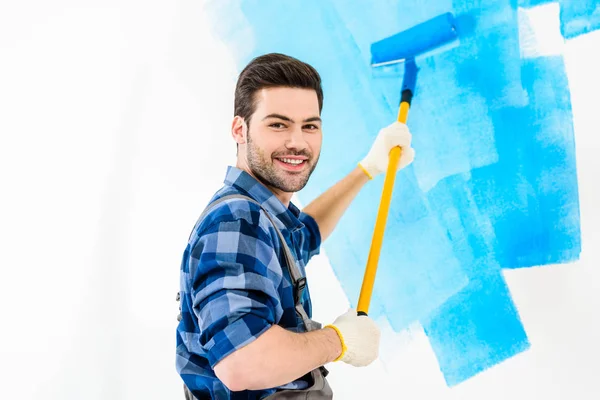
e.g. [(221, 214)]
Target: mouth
[(292, 163)]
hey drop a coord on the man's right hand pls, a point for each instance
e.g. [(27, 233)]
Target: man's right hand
[(359, 336), (376, 161)]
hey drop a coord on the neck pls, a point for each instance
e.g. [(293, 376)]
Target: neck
[(284, 197)]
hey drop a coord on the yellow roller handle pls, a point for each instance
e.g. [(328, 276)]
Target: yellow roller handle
[(384, 206)]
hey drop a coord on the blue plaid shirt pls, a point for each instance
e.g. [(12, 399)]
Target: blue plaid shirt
[(235, 284)]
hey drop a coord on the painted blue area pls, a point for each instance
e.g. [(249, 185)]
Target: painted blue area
[(494, 182), (577, 17), (475, 329), (535, 175)]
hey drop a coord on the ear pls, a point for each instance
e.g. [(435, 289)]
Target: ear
[(239, 130)]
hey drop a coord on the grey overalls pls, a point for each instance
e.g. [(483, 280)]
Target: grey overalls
[(320, 390)]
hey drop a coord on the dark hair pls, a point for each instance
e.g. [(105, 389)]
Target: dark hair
[(273, 70)]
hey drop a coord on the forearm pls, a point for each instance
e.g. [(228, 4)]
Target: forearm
[(278, 357), (328, 208)]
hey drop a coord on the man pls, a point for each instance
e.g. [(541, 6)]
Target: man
[(245, 330)]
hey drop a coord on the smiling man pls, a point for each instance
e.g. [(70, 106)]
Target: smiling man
[(245, 330)]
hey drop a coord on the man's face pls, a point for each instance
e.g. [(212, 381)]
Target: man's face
[(284, 139)]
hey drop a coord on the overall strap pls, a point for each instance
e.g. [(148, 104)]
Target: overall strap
[(298, 281)]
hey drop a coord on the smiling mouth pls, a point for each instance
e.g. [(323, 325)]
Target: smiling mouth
[(291, 164)]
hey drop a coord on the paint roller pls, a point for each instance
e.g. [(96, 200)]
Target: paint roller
[(423, 40)]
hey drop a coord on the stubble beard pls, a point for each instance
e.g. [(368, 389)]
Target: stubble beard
[(267, 173)]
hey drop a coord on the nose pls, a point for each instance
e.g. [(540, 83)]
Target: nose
[(296, 140)]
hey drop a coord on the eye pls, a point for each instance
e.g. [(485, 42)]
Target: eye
[(277, 125), (311, 127)]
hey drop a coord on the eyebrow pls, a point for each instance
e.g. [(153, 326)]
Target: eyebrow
[(283, 117)]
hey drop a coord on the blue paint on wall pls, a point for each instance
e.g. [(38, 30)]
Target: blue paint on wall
[(475, 329), (494, 183), (579, 17)]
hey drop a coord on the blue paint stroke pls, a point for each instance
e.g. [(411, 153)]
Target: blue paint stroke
[(476, 329), (538, 174), (577, 17), (494, 183)]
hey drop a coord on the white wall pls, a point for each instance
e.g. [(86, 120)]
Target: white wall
[(114, 121)]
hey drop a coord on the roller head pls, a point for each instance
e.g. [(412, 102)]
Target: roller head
[(427, 38)]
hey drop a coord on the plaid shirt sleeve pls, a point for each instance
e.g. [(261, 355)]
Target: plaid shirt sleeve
[(234, 289), (311, 242)]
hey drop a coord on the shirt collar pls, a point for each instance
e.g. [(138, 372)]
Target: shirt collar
[(244, 182)]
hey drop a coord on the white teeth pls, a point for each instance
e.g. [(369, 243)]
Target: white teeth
[(290, 161)]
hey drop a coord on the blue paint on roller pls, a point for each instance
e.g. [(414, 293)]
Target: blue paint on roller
[(421, 40), (495, 150)]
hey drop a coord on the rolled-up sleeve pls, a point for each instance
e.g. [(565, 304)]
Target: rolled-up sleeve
[(234, 288)]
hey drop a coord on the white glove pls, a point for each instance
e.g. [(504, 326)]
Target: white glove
[(376, 161), (359, 336)]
